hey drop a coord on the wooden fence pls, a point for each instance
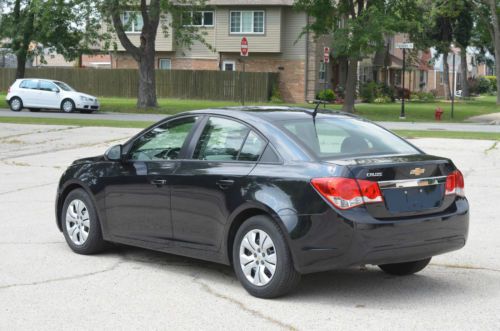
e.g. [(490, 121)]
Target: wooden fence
[(184, 84)]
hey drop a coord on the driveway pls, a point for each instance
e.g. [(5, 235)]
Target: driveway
[(43, 285)]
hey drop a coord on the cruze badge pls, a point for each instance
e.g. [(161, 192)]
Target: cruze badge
[(417, 171), (374, 174)]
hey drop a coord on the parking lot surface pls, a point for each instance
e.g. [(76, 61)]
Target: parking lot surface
[(43, 285)]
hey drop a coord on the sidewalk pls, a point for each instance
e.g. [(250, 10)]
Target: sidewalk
[(418, 126)]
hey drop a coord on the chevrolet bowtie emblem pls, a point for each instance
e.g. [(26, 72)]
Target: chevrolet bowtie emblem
[(417, 171)]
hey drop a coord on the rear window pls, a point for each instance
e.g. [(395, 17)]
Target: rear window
[(337, 137)]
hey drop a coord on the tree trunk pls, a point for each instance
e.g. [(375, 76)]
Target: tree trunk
[(350, 88), (146, 97), (343, 68), (464, 72), (446, 77), (21, 65), (496, 41)]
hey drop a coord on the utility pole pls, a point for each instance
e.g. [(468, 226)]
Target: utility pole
[(453, 88), (404, 47)]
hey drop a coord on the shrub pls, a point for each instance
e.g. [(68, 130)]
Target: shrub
[(400, 91), (423, 96), (493, 82), (483, 85), (434, 93), (326, 95), (368, 92), (382, 99), (276, 95)]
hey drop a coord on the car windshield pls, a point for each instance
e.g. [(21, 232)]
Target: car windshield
[(339, 137), (64, 86)]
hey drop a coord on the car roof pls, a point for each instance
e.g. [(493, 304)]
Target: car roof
[(270, 113)]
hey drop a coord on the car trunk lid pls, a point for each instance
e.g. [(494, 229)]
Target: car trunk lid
[(411, 185)]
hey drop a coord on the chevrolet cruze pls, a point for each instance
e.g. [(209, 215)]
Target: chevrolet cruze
[(274, 192)]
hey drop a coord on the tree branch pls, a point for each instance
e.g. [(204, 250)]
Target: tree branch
[(120, 32)]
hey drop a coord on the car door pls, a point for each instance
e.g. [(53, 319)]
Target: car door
[(28, 92), (138, 196), (209, 186), (48, 95)]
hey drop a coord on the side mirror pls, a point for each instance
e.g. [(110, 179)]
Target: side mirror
[(55, 90), (114, 153)]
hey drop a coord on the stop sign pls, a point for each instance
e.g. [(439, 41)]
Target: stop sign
[(244, 47)]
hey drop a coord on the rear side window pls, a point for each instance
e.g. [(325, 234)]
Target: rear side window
[(221, 140), (337, 137), (29, 84), (253, 147)]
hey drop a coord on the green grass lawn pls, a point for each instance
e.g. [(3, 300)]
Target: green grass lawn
[(415, 111)]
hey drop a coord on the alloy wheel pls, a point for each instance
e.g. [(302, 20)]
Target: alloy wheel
[(67, 106), (77, 222), (258, 257), (15, 104)]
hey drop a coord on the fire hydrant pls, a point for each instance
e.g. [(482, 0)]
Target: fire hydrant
[(438, 113)]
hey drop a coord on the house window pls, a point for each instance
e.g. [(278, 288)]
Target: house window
[(423, 78), (228, 66), (132, 21), (247, 22), (165, 64), (322, 71), (198, 18)]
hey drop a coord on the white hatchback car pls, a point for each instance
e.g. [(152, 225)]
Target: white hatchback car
[(36, 94)]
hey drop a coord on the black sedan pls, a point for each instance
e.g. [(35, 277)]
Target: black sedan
[(275, 192)]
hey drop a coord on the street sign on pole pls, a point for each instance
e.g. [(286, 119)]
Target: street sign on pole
[(244, 47), (326, 54), (404, 45)]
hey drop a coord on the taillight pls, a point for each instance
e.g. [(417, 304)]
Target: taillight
[(455, 184), (346, 193)]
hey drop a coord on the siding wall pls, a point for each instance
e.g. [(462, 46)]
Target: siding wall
[(269, 42)]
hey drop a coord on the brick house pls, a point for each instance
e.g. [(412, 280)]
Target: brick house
[(273, 29)]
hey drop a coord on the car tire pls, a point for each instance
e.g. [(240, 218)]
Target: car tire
[(67, 105), (258, 278), (34, 110), (16, 104), (405, 268), (80, 224)]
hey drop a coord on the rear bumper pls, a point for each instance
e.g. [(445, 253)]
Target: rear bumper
[(355, 238)]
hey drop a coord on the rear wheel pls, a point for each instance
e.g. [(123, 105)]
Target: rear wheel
[(405, 268), (16, 104), (262, 260), (81, 226), (67, 106)]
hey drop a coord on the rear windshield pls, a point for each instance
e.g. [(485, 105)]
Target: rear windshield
[(338, 137)]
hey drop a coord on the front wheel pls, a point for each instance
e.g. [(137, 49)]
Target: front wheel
[(16, 104), (405, 268), (68, 106), (80, 223), (262, 259)]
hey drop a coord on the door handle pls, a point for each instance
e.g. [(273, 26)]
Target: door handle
[(158, 182), (225, 183)]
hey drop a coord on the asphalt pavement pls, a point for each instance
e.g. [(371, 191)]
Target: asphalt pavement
[(436, 126), (44, 286)]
